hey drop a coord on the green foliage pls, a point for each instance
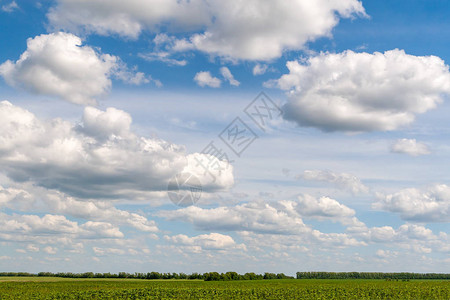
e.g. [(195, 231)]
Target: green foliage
[(211, 276), (370, 275), (214, 276), (40, 288)]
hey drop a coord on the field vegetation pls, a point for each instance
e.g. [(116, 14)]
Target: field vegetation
[(41, 287)]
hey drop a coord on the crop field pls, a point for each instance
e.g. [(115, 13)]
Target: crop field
[(61, 288)]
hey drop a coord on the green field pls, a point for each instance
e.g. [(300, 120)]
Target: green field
[(61, 288)]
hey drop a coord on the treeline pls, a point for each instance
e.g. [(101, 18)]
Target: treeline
[(211, 276), (215, 276), (370, 275)]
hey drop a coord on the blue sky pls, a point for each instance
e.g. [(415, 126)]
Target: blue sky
[(105, 103)]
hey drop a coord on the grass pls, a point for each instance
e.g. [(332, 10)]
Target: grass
[(67, 288)]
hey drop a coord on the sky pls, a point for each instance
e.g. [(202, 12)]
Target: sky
[(206, 135)]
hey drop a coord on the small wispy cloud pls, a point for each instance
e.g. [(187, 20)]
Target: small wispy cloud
[(259, 69), (163, 57), (410, 147), (205, 78), (226, 73), (10, 7)]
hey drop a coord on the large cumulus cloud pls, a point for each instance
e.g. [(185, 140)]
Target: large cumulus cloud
[(422, 205), (252, 29), (99, 158), (359, 92), (58, 64)]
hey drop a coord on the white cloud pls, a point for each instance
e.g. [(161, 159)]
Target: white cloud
[(96, 211), (12, 6), (256, 242), (322, 207), (50, 250), (341, 180), (263, 30), (95, 229), (410, 147), (33, 228), (130, 18), (259, 69), (260, 31), (283, 218), (211, 241), (166, 47), (430, 205), (226, 73), (20, 197), (91, 160), (416, 232), (383, 254), (336, 239), (32, 248), (410, 237), (359, 92), (380, 234), (256, 217), (204, 78), (218, 178), (131, 77), (103, 124), (163, 57), (104, 251), (406, 235), (59, 65)]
